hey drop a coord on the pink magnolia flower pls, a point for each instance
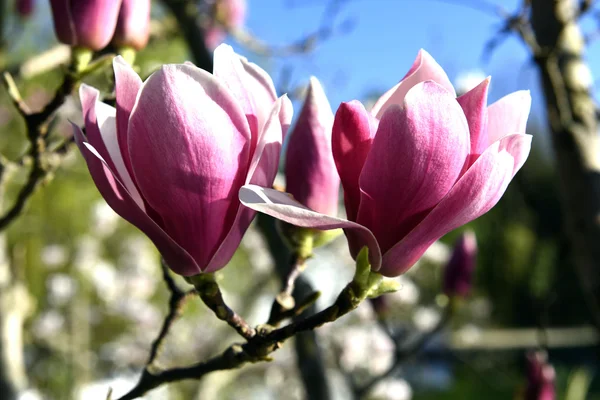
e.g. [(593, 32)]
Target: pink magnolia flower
[(421, 164), (224, 15), (310, 171), (133, 25), (458, 273), (25, 7), (540, 377), (85, 23), (172, 156)]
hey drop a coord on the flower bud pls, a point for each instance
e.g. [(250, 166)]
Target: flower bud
[(311, 176), (224, 15), (540, 377), (85, 23), (133, 25), (458, 273), (24, 8)]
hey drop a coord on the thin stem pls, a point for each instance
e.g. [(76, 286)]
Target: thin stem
[(404, 353), (284, 301)]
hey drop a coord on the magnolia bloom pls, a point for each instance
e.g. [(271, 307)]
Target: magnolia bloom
[(310, 171), (458, 273), (540, 377), (223, 16), (421, 164), (133, 25), (25, 7), (172, 156), (85, 23)]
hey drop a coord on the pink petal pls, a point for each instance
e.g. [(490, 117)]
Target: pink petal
[(119, 199), (425, 68), (189, 144), (101, 128), (474, 105), (282, 206), (353, 132), (416, 157), (310, 172), (477, 191), (508, 115), (127, 86), (261, 172)]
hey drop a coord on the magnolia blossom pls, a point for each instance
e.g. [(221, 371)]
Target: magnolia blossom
[(133, 25), (458, 274), (223, 16), (172, 156), (85, 23), (540, 377), (419, 165), (310, 171)]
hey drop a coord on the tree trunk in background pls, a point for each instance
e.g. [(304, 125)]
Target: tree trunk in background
[(186, 13), (567, 82), (308, 351)]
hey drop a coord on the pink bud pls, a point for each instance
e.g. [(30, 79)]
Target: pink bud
[(133, 25), (419, 165), (310, 171), (540, 377), (85, 23), (458, 273), (25, 7), (172, 156)]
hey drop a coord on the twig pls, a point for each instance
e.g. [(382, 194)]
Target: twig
[(177, 301), (404, 353), (211, 295), (284, 301), (36, 124)]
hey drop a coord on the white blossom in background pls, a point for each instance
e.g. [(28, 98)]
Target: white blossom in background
[(54, 256), (104, 220), (469, 334), (30, 394), (426, 318), (365, 347), (467, 80), (61, 288), (48, 324), (392, 389)]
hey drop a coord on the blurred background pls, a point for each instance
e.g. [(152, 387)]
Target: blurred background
[(92, 297)]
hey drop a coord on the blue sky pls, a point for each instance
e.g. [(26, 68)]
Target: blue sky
[(386, 37)]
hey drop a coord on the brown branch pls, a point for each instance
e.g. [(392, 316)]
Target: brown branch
[(36, 124), (257, 348)]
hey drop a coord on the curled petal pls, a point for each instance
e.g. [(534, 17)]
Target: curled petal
[(477, 191), (417, 155), (119, 199), (425, 68), (282, 206), (353, 132), (192, 185), (508, 115)]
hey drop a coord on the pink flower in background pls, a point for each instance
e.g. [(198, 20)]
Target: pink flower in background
[(458, 273), (540, 377), (310, 171), (224, 15), (85, 23), (25, 7), (421, 164), (172, 156), (133, 25)]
